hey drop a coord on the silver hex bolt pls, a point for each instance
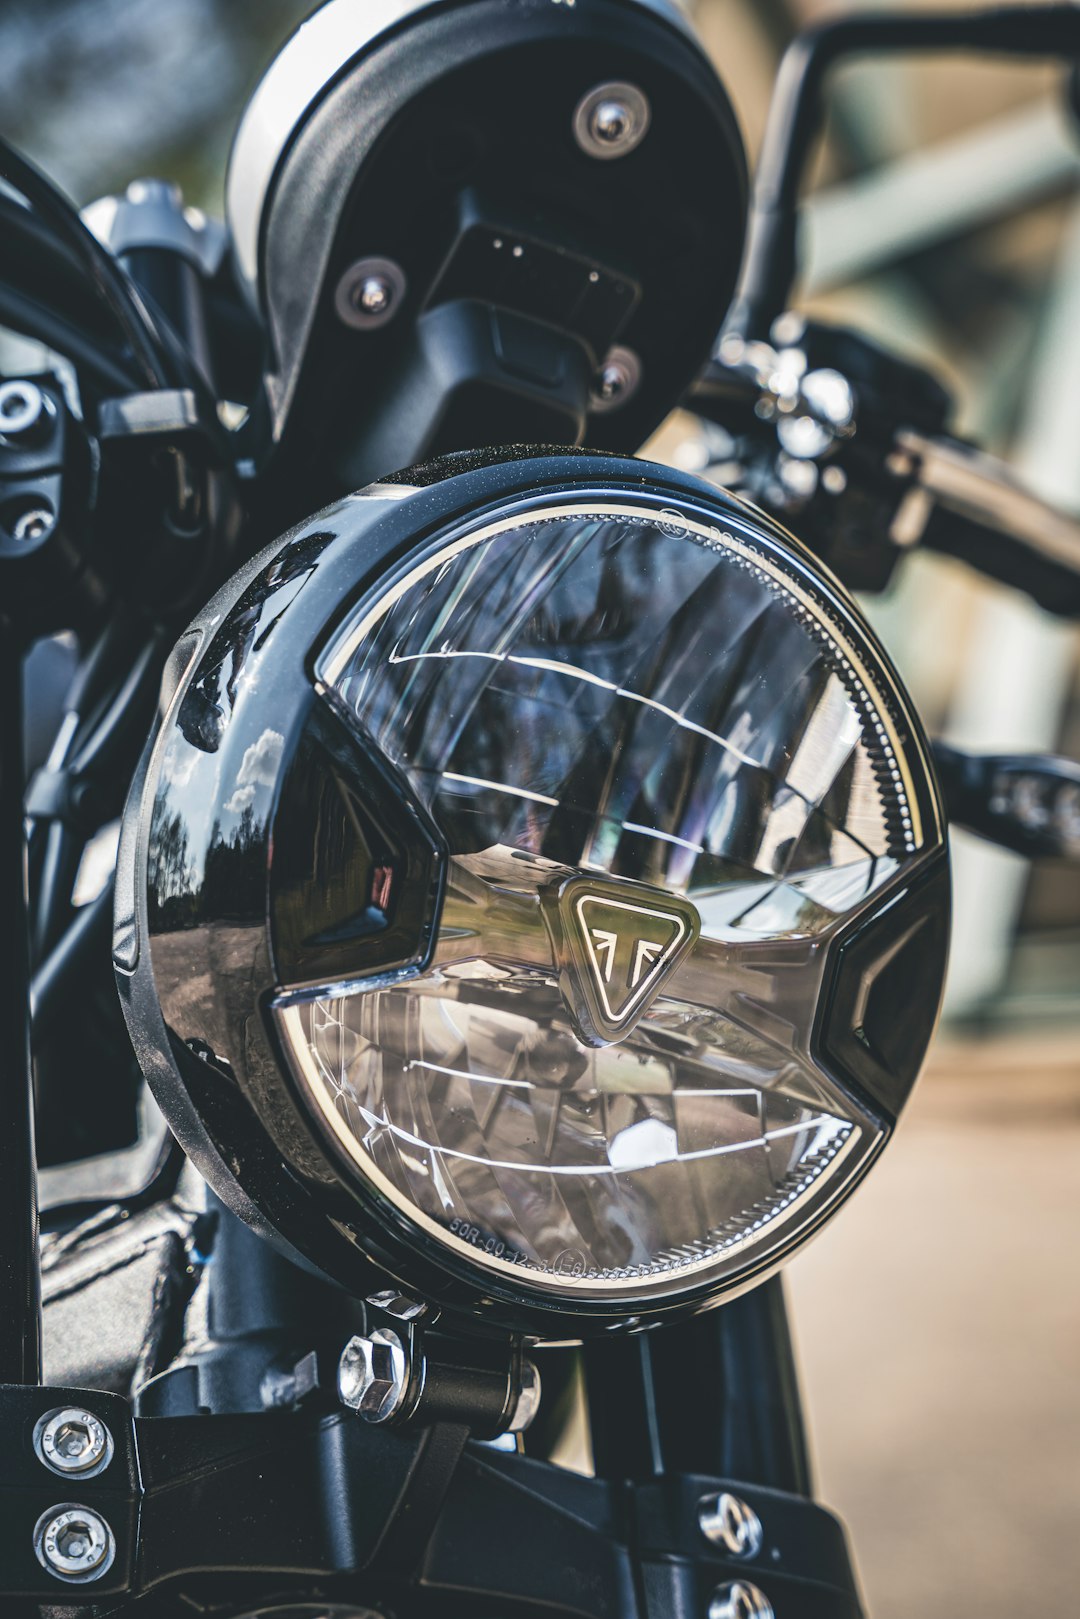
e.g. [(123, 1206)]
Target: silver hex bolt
[(23, 407), (616, 381), (369, 293), (611, 120), (73, 1442), (740, 1600), (374, 295), (31, 524), (730, 1523), (373, 1374), (74, 1543)]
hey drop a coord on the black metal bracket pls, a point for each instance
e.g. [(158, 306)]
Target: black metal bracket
[(311, 1503), (475, 1384), (173, 417)]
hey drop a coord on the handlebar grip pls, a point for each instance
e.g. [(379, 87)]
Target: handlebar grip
[(1052, 585), (973, 506), (1026, 802)]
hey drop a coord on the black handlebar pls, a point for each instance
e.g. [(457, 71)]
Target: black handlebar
[(969, 505), (1052, 586), (1026, 802), (769, 264)]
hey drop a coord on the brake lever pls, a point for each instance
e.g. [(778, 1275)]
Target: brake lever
[(1026, 802), (809, 427)]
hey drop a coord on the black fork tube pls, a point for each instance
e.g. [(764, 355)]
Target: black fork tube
[(20, 1272), (736, 1410), (716, 1395)]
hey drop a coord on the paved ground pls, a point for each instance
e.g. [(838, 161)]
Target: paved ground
[(938, 1321)]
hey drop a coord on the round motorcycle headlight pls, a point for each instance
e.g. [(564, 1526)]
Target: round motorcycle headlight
[(537, 893)]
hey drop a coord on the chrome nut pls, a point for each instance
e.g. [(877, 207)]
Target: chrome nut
[(372, 1375)]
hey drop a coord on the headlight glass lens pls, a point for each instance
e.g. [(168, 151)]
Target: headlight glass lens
[(665, 777)]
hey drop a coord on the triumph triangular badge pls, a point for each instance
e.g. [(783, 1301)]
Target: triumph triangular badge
[(619, 943)]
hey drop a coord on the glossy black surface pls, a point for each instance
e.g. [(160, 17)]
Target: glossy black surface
[(893, 960), (421, 151), (357, 869), (1027, 802), (20, 1273), (251, 810), (716, 1394)]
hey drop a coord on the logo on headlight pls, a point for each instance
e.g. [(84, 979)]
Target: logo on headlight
[(620, 945)]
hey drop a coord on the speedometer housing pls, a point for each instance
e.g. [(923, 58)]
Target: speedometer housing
[(536, 893)]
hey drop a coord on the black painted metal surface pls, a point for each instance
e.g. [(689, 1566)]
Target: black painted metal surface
[(319, 1505), (20, 1280)]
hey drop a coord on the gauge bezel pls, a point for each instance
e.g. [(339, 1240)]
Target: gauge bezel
[(361, 106), (230, 1094)]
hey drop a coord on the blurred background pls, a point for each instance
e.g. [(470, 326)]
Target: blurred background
[(939, 1319)]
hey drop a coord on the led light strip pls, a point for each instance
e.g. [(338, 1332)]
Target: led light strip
[(306, 1069)]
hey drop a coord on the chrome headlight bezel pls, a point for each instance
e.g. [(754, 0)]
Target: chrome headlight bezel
[(207, 1028)]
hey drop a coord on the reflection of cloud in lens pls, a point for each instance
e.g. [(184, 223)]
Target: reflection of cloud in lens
[(240, 800), (178, 765), (258, 768)]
